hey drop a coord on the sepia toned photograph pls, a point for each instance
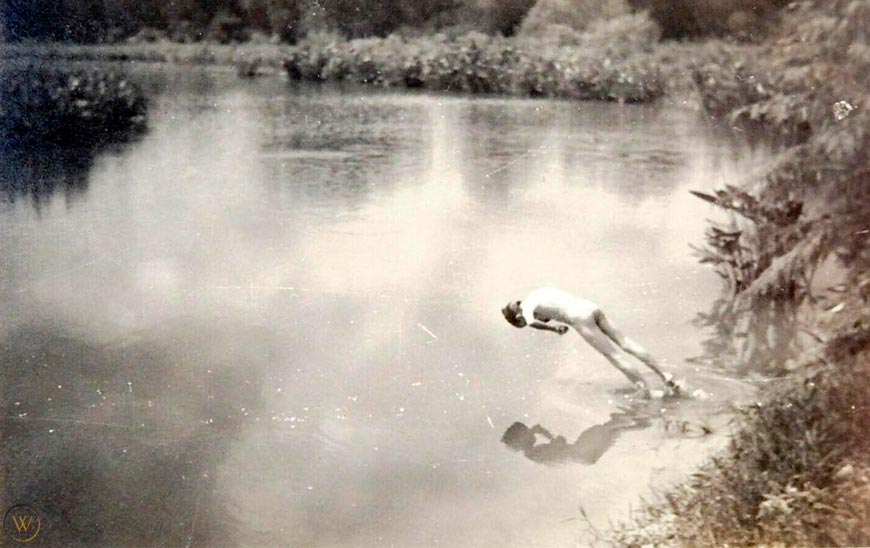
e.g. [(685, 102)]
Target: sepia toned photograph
[(434, 273)]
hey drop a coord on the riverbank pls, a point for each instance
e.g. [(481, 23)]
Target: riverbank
[(613, 61), (268, 57), (620, 59), (796, 472)]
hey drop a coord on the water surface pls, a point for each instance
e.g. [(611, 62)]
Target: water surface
[(274, 320)]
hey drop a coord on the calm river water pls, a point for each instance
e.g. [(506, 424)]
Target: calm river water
[(275, 319)]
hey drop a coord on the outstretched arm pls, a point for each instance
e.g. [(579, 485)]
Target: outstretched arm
[(560, 329)]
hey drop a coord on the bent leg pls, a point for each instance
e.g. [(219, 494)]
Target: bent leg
[(630, 346), (607, 348)]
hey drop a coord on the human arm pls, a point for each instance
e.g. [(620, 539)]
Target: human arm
[(527, 309), (543, 326), (543, 305), (538, 429)]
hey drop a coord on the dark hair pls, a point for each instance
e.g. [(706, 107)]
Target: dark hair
[(518, 437), (513, 316), (514, 430)]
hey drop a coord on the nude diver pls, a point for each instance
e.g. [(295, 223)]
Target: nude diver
[(555, 310)]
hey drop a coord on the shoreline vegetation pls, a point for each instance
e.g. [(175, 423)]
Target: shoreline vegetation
[(612, 60), (797, 470), (619, 60), (78, 107)]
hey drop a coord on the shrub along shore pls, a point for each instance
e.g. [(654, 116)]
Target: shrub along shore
[(58, 106), (620, 59), (610, 61)]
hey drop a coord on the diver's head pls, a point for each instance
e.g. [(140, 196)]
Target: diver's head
[(513, 313), (519, 437)]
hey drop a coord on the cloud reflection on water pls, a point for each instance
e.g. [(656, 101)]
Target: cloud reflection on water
[(358, 326)]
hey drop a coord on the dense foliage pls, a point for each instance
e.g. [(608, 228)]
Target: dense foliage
[(691, 18), (77, 107), (90, 21), (797, 472), (576, 66), (809, 90)]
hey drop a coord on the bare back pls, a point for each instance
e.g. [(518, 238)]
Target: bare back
[(548, 303)]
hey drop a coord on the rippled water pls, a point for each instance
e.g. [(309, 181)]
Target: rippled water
[(275, 319)]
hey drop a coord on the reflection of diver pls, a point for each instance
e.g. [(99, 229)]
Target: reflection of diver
[(587, 449)]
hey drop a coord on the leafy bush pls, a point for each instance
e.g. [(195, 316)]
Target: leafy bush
[(797, 472), (68, 106), (809, 91), (478, 63)]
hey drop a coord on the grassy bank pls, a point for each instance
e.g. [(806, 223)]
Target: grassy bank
[(618, 59), (797, 473), (267, 56), (149, 52)]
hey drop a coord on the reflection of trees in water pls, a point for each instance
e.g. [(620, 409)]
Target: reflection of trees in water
[(744, 341), (766, 338), (117, 444), (37, 173), (55, 120), (768, 265), (617, 150), (337, 148)]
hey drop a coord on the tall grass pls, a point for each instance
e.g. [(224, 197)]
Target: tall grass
[(796, 474)]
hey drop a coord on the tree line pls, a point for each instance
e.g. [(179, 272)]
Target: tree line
[(91, 21)]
